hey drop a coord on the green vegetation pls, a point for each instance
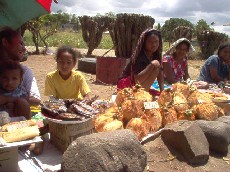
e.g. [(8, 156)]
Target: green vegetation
[(69, 38)]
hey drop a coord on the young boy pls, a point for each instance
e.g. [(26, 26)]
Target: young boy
[(11, 74)]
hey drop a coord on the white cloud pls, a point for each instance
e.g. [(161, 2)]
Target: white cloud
[(160, 10)]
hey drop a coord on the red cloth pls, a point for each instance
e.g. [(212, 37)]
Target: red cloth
[(46, 4), (124, 83), (154, 92), (127, 83)]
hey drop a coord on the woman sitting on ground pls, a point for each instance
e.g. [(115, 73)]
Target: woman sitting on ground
[(216, 67), (145, 64), (175, 65)]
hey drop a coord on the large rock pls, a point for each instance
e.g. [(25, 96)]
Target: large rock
[(217, 134), (225, 119), (188, 139), (114, 151)]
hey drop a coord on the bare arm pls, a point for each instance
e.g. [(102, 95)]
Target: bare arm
[(33, 101), (186, 74), (160, 79), (6, 99), (168, 73), (214, 75)]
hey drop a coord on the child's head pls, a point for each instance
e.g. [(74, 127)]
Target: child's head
[(66, 59), (182, 49), (11, 74)]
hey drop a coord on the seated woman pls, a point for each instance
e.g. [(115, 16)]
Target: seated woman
[(216, 67), (175, 64), (15, 102), (145, 64), (66, 83)]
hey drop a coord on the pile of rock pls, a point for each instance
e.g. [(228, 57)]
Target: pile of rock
[(195, 139)]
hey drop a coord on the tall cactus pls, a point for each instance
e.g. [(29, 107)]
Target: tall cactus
[(92, 30), (182, 32), (209, 41), (125, 31)]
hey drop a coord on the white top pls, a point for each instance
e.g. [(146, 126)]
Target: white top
[(29, 82)]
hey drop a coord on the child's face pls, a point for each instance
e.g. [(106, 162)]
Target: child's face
[(152, 43), (65, 63), (10, 79), (182, 50)]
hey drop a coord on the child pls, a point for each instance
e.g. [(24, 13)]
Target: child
[(66, 83), (145, 65), (175, 63), (15, 95)]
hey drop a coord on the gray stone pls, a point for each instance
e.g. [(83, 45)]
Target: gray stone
[(188, 139), (115, 151), (225, 119), (217, 134)]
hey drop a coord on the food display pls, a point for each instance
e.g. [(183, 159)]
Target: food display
[(19, 131), (182, 101), (68, 109)]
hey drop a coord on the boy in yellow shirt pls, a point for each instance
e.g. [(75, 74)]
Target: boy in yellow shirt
[(66, 83)]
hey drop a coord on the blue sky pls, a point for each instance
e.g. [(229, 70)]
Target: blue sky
[(160, 10)]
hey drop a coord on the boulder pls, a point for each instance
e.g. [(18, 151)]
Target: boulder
[(225, 119), (188, 139), (114, 151), (217, 134)]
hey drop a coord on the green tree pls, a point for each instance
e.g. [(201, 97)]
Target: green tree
[(171, 24), (158, 27), (111, 15), (202, 25), (76, 22)]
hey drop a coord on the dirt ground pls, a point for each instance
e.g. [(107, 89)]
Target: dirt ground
[(157, 154)]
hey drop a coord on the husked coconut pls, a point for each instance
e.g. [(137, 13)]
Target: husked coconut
[(154, 117), (139, 126), (113, 125)]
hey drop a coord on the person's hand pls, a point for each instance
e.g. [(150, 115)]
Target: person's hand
[(227, 62), (6, 99), (226, 90), (2, 100), (9, 106)]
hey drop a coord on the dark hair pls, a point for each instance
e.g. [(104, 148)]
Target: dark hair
[(8, 34), (141, 43), (222, 46), (10, 65), (186, 43), (75, 54)]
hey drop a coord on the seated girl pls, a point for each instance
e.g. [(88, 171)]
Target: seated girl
[(175, 65), (145, 64), (16, 103), (66, 83), (216, 67)]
